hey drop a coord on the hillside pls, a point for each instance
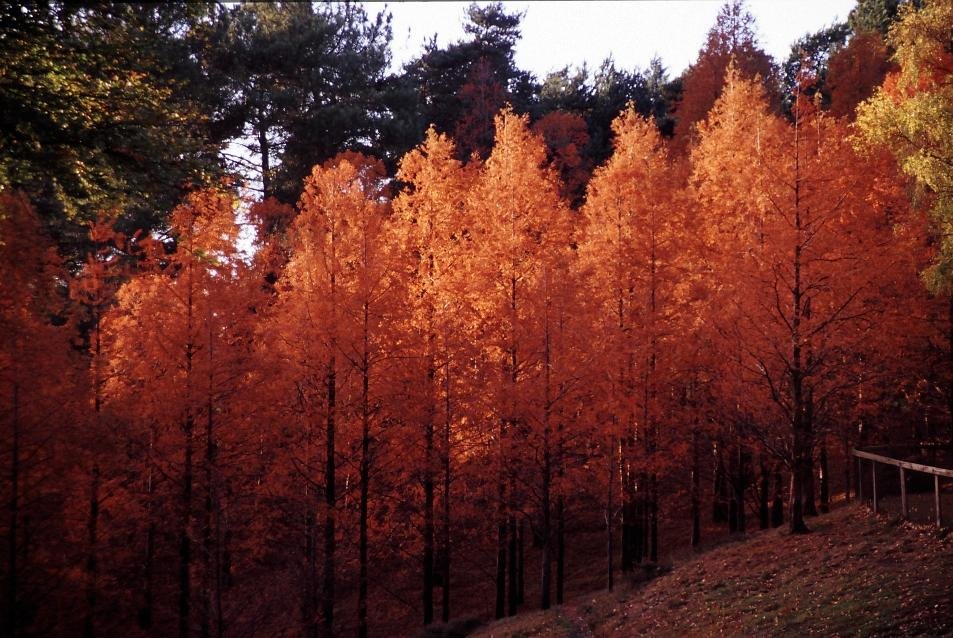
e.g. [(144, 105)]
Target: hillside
[(856, 574)]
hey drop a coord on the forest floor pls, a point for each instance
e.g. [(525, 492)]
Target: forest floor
[(856, 573)]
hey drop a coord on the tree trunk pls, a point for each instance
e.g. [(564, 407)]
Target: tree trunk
[(764, 512), (521, 571), (309, 611), (696, 491), (13, 507), (207, 544), (92, 523), (264, 148), (800, 422), (445, 607), (185, 542), (653, 519), (330, 498), (546, 575), (145, 612), (609, 514), (740, 488), (719, 509), (810, 498), (561, 518), (92, 563), (501, 531), (825, 488), (365, 478), (428, 481), (513, 599), (949, 366), (777, 506)]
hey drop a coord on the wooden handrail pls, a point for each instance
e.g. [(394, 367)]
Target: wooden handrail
[(937, 472), (909, 465)]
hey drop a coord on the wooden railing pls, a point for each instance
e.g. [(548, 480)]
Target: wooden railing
[(886, 455)]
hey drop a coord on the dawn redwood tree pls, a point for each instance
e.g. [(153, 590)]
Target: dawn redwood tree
[(731, 38), (94, 289), (632, 249), (786, 214), (329, 317), (37, 389), (518, 217), (167, 310), (429, 225)]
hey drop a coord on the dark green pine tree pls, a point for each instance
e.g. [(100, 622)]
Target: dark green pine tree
[(306, 81), (461, 87)]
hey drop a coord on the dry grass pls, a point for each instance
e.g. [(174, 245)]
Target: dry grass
[(855, 574)]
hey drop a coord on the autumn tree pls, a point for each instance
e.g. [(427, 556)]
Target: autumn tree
[(910, 114), (732, 37), (330, 314), (171, 310), (431, 225), (790, 243), (520, 224), (39, 387), (631, 249)]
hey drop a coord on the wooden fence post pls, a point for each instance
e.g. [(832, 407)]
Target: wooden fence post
[(860, 480), (936, 500), (903, 492)]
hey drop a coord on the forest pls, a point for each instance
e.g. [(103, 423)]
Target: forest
[(292, 344)]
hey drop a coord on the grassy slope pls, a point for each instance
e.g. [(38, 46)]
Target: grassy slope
[(855, 574)]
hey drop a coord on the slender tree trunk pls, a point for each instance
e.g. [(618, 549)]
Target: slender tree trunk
[(309, 593), (309, 611), (208, 547), (92, 563), (764, 512), (739, 488), (639, 520), (825, 488), (653, 518), (521, 563), (777, 505), (949, 366), (145, 612), (696, 490), (501, 530), (848, 469), (801, 441), (185, 542), (719, 510), (13, 508), (330, 500), (734, 478), (513, 599), (92, 523), (610, 457), (428, 528), (365, 478), (264, 147), (546, 575), (810, 498), (448, 420), (219, 579), (561, 518)]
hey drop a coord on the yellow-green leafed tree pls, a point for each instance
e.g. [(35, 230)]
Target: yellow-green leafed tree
[(912, 114)]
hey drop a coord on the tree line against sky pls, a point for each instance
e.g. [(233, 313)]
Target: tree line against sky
[(474, 373)]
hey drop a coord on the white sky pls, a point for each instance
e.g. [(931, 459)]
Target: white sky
[(557, 34)]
